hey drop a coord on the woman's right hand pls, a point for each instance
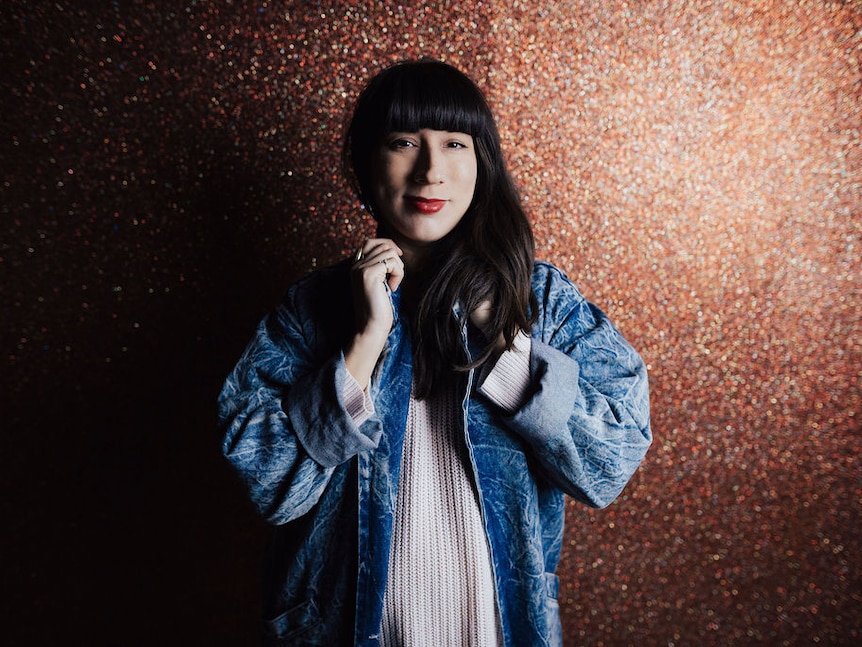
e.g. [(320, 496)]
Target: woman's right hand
[(377, 270)]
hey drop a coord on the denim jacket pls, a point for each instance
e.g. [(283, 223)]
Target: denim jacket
[(330, 486)]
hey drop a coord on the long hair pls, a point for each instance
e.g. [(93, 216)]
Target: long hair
[(489, 255)]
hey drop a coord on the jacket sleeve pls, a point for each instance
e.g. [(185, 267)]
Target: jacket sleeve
[(285, 423), (587, 419)]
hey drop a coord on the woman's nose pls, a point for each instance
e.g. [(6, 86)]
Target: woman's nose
[(428, 168)]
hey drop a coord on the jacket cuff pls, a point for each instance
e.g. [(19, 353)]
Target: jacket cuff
[(321, 421), (507, 384), (546, 413)]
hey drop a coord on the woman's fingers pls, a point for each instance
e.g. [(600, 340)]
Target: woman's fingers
[(375, 246), (377, 266), (380, 258), (377, 269)]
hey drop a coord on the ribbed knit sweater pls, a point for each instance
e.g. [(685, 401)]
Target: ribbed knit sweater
[(440, 589)]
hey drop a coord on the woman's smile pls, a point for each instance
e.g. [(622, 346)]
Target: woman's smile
[(425, 205)]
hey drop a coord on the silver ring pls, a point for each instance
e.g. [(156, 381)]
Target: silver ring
[(385, 262), (358, 256)]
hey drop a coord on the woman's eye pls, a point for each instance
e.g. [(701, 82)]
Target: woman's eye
[(456, 144), (400, 143)]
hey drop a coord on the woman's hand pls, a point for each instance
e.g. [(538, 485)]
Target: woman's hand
[(481, 317), (377, 269)]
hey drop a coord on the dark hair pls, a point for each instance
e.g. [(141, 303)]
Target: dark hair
[(489, 255)]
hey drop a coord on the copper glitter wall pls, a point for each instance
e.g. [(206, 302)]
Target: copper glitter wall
[(167, 168)]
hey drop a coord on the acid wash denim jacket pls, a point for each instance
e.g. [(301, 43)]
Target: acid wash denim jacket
[(330, 486)]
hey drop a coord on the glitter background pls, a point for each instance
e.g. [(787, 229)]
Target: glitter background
[(695, 167)]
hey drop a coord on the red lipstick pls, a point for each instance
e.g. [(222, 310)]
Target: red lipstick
[(426, 205)]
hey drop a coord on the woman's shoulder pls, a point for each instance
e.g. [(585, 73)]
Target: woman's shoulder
[(320, 294), (546, 268), (549, 279), (330, 280), (560, 303), (318, 303)]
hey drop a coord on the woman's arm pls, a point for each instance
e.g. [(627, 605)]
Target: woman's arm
[(292, 408), (286, 424), (586, 415)]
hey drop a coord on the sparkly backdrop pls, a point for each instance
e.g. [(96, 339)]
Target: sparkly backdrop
[(695, 167)]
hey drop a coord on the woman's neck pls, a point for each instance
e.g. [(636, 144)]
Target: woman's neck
[(415, 256), (418, 263)]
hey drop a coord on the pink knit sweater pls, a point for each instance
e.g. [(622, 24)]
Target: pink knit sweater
[(440, 589)]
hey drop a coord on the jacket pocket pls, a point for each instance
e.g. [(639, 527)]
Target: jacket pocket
[(296, 626), (552, 610)]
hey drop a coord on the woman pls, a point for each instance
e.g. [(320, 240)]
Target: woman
[(411, 418)]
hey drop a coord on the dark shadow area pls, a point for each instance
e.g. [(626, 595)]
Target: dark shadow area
[(126, 525), (134, 269)]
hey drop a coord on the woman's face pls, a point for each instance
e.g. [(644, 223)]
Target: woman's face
[(424, 183)]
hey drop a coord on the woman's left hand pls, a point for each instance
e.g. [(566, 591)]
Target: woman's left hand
[(481, 317)]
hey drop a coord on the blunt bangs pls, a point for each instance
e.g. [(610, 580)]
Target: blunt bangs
[(432, 97)]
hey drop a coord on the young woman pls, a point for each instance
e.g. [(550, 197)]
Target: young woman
[(411, 418)]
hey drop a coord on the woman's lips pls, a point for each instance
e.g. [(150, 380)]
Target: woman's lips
[(425, 205)]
